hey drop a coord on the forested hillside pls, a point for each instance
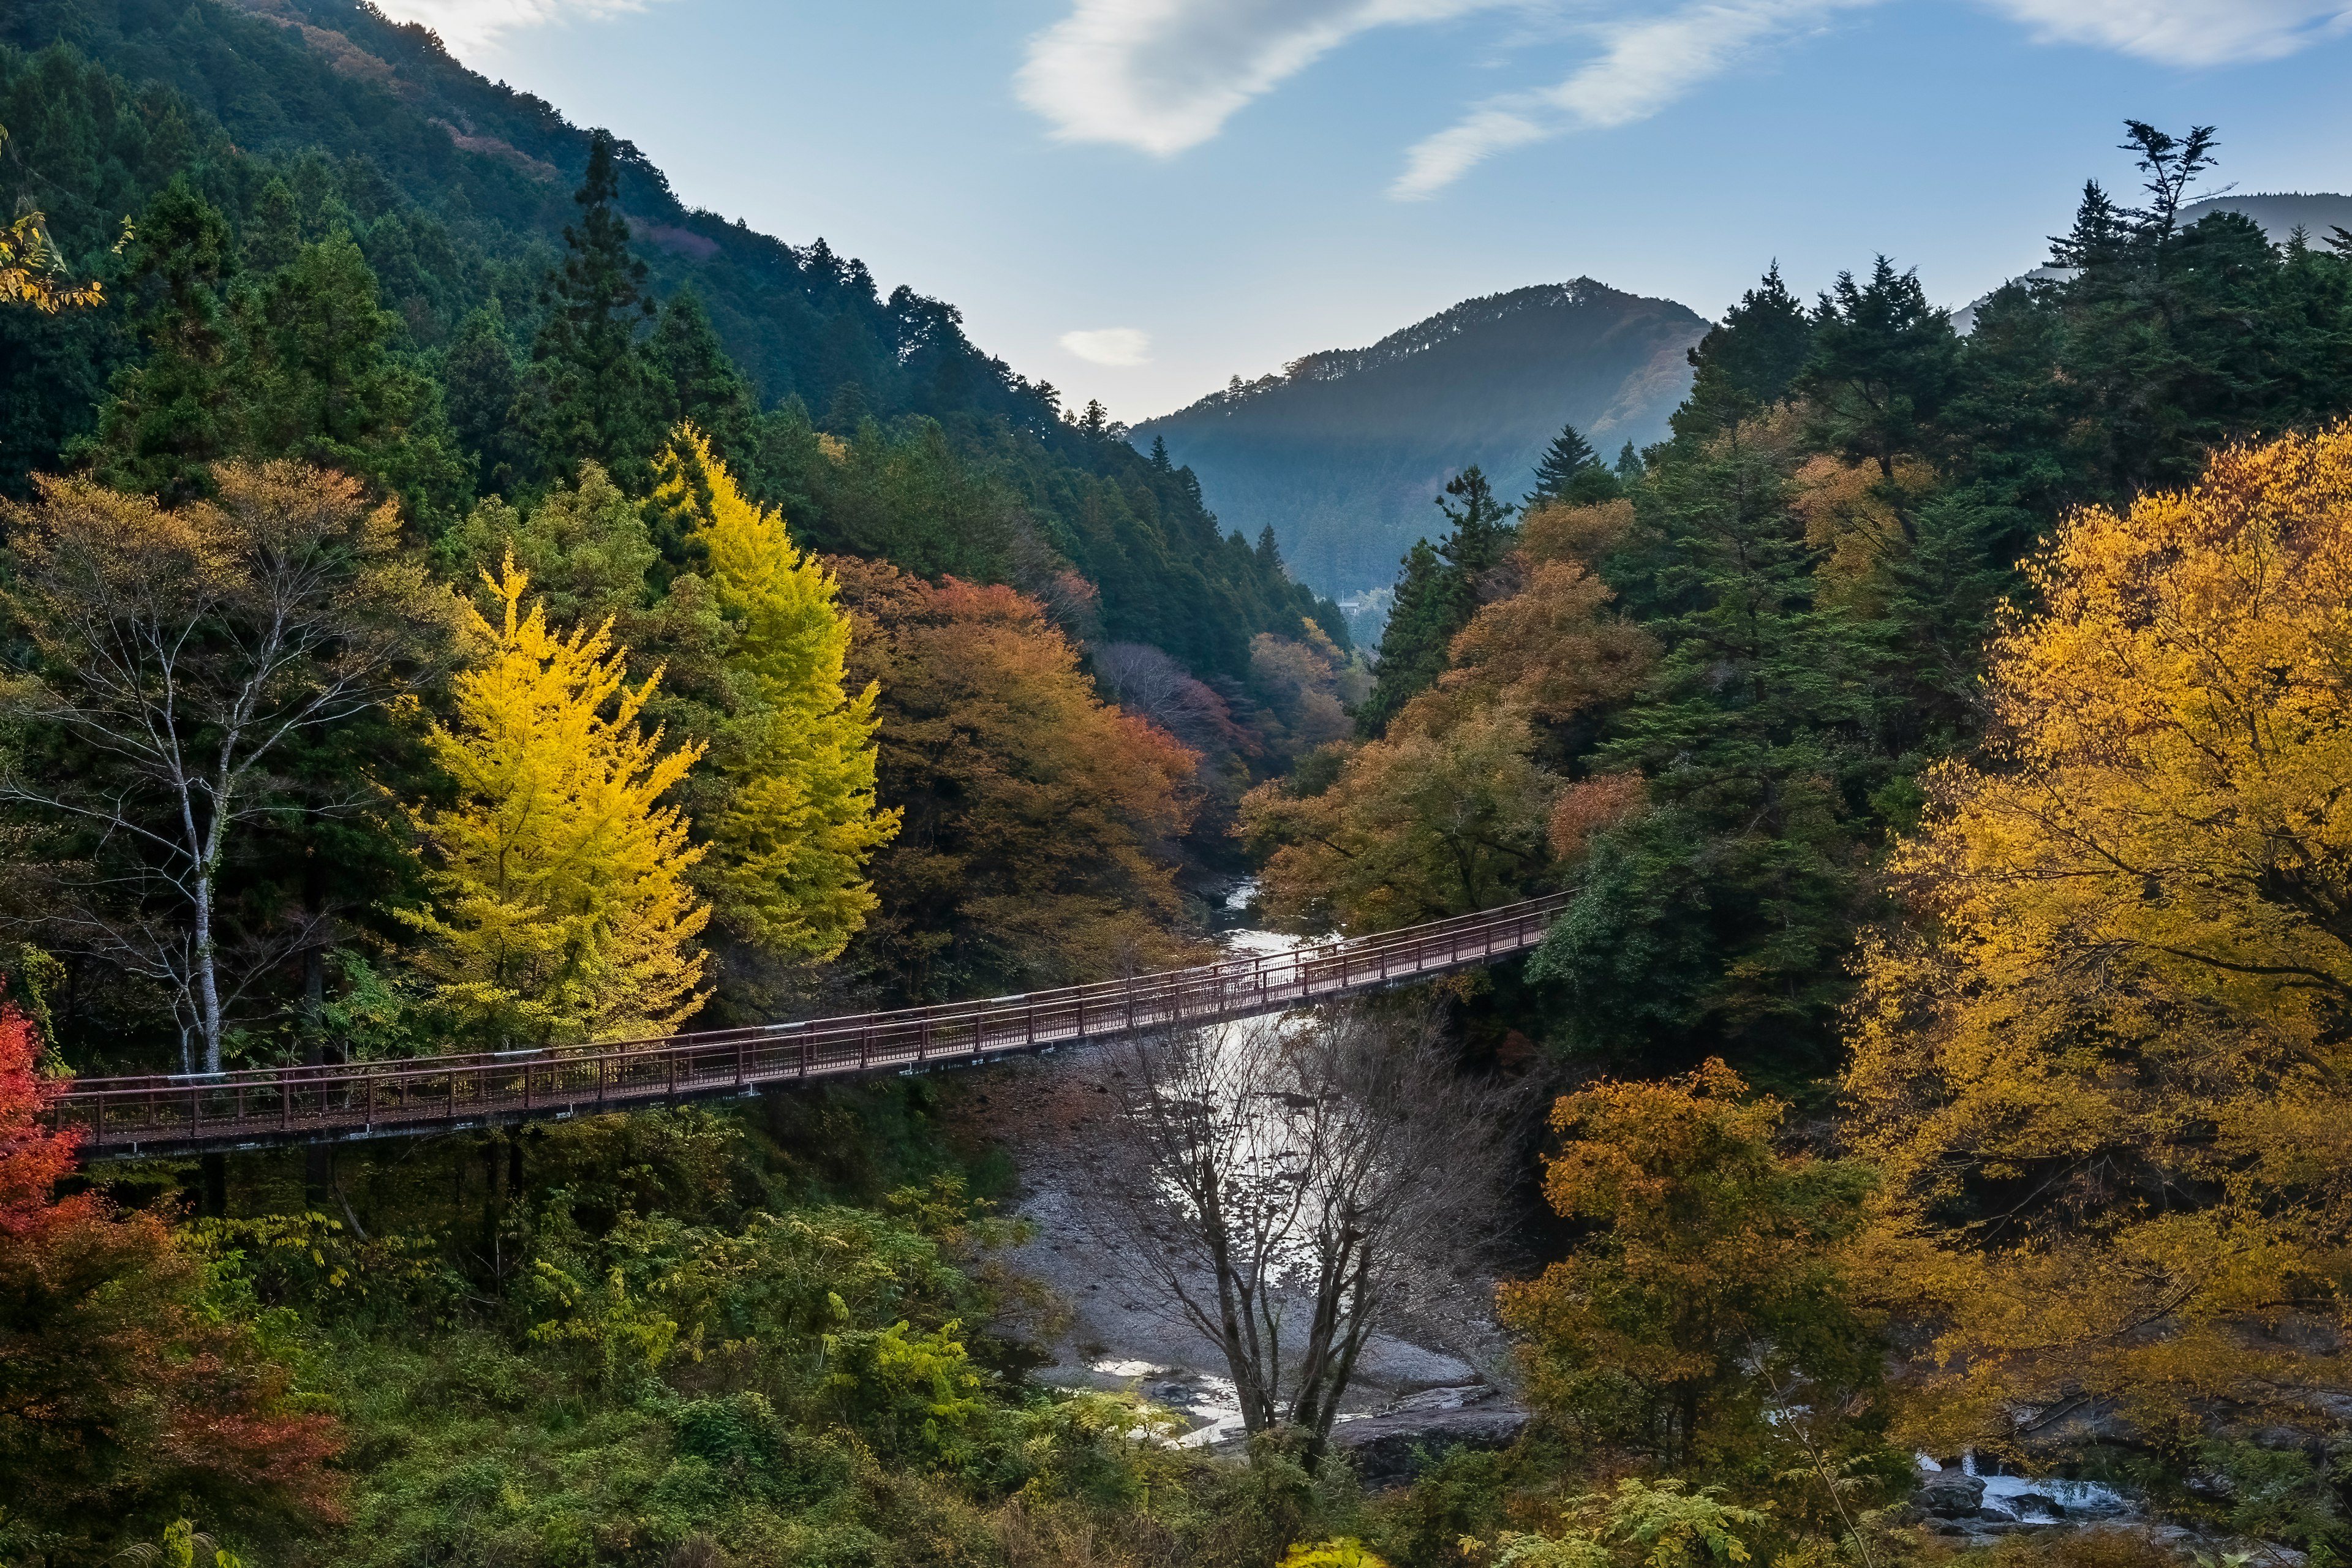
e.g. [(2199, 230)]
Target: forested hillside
[(456, 191), (1341, 453)]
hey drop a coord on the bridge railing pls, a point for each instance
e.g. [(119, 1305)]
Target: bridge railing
[(344, 1098)]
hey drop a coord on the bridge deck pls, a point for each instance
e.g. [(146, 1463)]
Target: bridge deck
[(122, 1118)]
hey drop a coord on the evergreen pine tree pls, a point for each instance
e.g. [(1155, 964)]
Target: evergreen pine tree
[(1712, 921), (591, 392), (1884, 361), (1436, 594), (1413, 643), (1571, 472), (481, 380), (702, 385), (324, 385), (1269, 553), (1748, 360)]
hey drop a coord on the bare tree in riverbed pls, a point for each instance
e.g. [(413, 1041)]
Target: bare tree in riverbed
[(1284, 1179)]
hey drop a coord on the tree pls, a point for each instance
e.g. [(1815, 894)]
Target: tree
[(560, 910), (1436, 595), (1884, 361), (169, 418), (1710, 1285), (1710, 920), (482, 381), (322, 386), (790, 847), (2171, 163), (1285, 1188), (1038, 845), (1570, 471), (2101, 1069), (184, 652), (128, 1389), (1431, 820), (591, 391), (1747, 362)]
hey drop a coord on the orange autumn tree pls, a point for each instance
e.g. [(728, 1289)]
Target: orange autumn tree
[(129, 1394), (1454, 808), (2106, 1071), (1038, 845), (1709, 1285)]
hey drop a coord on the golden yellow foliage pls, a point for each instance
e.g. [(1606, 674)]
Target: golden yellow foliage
[(792, 844), (561, 909), (1451, 811), (2107, 1081), (1851, 511), (1423, 823)]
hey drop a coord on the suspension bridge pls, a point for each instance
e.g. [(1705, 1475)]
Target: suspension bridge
[(129, 1118)]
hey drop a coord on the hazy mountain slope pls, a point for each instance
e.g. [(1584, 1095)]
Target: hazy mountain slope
[(1343, 452), (2281, 213)]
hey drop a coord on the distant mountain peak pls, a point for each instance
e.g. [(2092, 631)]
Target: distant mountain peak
[(1423, 337), (1341, 451)]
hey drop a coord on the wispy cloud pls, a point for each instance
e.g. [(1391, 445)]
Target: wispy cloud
[(2185, 32), (469, 24), (1164, 75), (1117, 347), (1643, 65)]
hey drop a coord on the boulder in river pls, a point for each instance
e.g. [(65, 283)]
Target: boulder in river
[(1388, 1446)]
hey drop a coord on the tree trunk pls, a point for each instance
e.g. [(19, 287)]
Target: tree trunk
[(317, 1159)]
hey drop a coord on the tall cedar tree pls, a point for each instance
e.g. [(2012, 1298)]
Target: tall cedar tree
[(169, 418), (1436, 594), (592, 393), (1713, 922), (1747, 362)]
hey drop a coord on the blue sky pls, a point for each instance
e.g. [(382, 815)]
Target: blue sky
[(1136, 199)]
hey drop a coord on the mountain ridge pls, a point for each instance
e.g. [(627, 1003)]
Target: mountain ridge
[(1341, 451)]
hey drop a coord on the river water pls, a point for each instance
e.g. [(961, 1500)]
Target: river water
[(1121, 1334)]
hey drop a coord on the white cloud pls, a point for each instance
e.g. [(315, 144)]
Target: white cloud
[(1115, 346), (1164, 75), (1643, 65), (470, 24), (2184, 32)]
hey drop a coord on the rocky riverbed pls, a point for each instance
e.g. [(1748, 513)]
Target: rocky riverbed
[(1441, 1377)]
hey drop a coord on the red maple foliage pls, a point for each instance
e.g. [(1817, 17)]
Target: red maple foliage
[(33, 1158), (127, 1394)]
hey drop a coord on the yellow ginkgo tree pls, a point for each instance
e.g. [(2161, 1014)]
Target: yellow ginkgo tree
[(2107, 1075), (561, 909), (788, 852)]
